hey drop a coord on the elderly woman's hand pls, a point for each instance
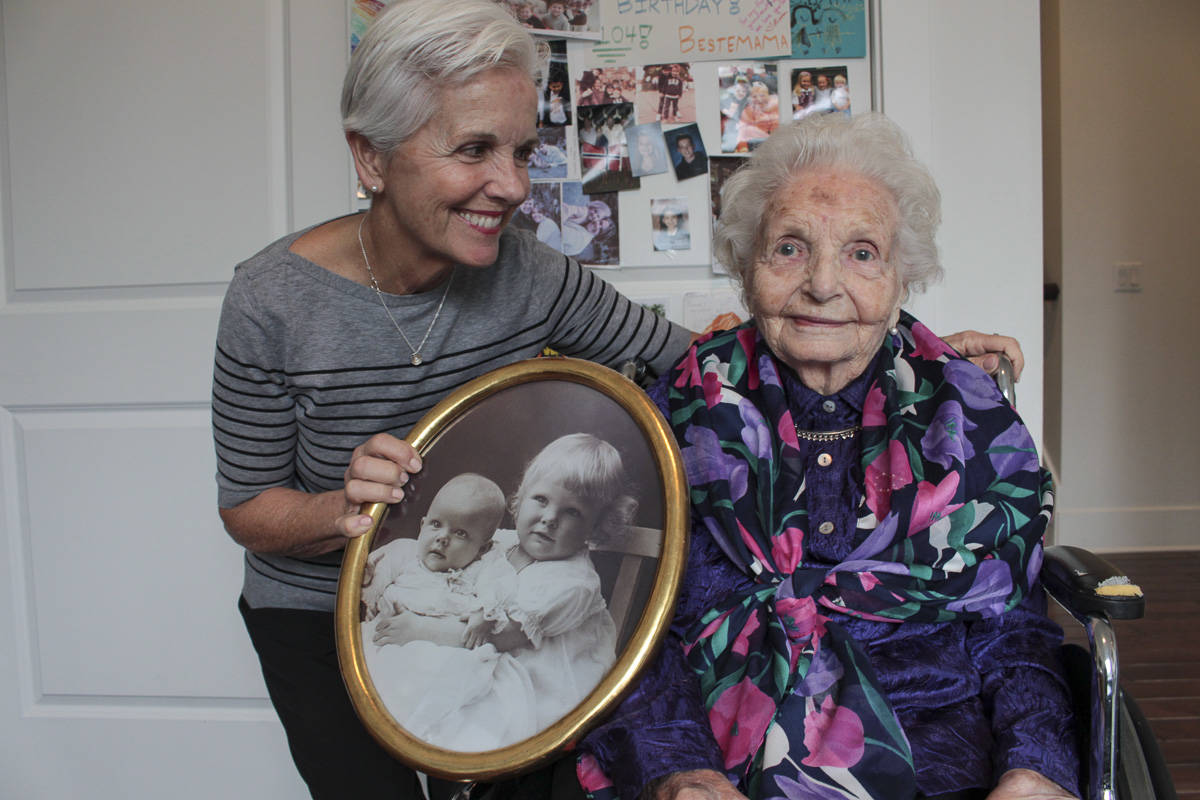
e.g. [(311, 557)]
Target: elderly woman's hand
[(983, 350), (1025, 784), (379, 468), (696, 784)]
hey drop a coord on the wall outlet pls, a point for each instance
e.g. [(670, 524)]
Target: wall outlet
[(1127, 276)]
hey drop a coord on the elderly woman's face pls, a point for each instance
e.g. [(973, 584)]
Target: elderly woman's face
[(456, 183), (824, 291)]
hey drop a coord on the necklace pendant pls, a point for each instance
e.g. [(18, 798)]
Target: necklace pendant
[(416, 359)]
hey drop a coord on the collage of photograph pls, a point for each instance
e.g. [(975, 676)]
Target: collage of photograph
[(613, 129), (619, 125)]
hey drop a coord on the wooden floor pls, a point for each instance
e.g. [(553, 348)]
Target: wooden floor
[(1159, 655)]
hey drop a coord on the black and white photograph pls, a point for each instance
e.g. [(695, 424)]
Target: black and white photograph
[(499, 595)]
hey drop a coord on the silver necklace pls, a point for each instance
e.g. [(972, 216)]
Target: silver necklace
[(416, 359)]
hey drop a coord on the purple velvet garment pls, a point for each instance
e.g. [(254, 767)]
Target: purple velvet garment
[(944, 680)]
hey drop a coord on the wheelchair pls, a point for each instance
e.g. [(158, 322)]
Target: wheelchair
[(1121, 759)]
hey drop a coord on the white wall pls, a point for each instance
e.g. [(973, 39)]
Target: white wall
[(963, 80), (1129, 112)]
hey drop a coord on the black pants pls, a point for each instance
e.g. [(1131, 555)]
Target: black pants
[(332, 750)]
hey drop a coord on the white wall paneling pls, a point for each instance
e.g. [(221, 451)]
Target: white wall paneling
[(151, 156), (145, 150)]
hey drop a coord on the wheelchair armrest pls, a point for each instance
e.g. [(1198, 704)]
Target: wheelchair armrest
[(1086, 585)]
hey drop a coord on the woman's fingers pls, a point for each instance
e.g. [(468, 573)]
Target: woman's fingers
[(378, 470), (983, 349), (353, 524)]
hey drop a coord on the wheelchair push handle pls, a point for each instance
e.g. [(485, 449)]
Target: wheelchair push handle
[(1005, 380)]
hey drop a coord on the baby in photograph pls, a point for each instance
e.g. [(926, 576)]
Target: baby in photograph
[(557, 625), (417, 596), (538, 627)]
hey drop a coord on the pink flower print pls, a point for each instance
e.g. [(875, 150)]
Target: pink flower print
[(746, 338), (873, 415), (591, 777), (739, 720), (712, 388), (787, 548), (800, 617), (689, 372), (712, 627), (928, 345), (786, 430), (888, 472), (741, 645), (868, 581), (933, 502), (750, 543), (833, 735)]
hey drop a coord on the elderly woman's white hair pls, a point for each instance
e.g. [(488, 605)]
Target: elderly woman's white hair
[(416, 48), (869, 144)]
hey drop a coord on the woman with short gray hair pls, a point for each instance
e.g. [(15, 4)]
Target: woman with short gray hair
[(336, 339), (869, 144), (861, 615)]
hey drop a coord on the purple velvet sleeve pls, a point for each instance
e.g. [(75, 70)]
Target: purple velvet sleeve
[(1010, 663), (662, 727), (1025, 693)]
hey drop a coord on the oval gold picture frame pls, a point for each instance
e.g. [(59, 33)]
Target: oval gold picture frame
[(476, 429)]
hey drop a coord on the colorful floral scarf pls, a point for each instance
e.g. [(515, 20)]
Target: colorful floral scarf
[(959, 502)]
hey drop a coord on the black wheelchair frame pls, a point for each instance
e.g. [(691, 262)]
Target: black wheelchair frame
[(1121, 758)]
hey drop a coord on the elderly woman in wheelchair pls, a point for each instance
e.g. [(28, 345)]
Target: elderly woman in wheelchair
[(862, 615)]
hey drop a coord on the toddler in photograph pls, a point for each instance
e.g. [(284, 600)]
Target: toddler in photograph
[(557, 625)]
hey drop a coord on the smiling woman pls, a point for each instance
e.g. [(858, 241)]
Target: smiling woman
[(862, 615), (314, 382), (454, 184)]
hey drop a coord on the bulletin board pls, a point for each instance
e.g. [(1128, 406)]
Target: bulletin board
[(639, 83)]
